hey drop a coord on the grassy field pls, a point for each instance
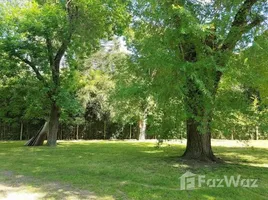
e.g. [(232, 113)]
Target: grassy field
[(123, 170)]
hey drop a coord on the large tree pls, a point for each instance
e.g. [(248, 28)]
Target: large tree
[(194, 42), (49, 36)]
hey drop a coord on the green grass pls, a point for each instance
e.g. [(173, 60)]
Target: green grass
[(125, 170)]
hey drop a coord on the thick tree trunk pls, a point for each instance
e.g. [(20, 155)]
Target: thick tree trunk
[(198, 144), (39, 138), (198, 125), (53, 125)]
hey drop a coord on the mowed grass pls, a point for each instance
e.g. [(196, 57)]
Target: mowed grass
[(130, 170)]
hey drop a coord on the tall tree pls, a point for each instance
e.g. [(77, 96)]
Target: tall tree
[(48, 36), (194, 41)]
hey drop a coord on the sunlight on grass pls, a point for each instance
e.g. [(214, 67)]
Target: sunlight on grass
[(126, 170)]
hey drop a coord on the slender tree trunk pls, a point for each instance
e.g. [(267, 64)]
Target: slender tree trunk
[(1, 135), (4, 132), (21, 130), (27, 131), (61, 132), (53, 125), (257, 132), (90, 130), (104, 130), (77, 131), (130, 131)]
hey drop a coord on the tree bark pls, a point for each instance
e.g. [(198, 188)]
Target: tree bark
[(77, 131), (257, 133), (53, 125), (142, 126), (198, 144), (39, 138), (198, 124)]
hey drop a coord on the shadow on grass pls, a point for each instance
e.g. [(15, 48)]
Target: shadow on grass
[(124, 170)]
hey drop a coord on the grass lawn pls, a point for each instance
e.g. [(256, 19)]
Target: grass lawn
[(123, 170)]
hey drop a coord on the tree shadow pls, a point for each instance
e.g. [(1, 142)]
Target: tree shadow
[(128, 171)]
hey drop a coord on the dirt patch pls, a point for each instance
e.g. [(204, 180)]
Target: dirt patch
[(18, 187)]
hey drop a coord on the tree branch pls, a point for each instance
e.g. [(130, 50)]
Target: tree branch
[(240, 25), (61, 52), (33, 66), (66, 42), (50, 51)]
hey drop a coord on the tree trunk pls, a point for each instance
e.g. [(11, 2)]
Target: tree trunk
[(61, 132), (142, 126), (198, 124), (4, 132), (27, 131), (257, 132), (53, 125), (1, 135), (21, 130), (198, 144), (104, 129), (130, 131), (39, 138), (77, 131)]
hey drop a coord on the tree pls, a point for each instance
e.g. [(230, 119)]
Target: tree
[(194, 42), (49, 36), (132, 96)]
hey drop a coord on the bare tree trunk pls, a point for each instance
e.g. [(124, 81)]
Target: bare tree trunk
[(90, 130), (53, 125), (104, 130), (257, 133), (4, 132), (39, 138), (21, 130), (130, 131), (142, 126), (61, 132), (27, 131), (77, 131), (1, 135)]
